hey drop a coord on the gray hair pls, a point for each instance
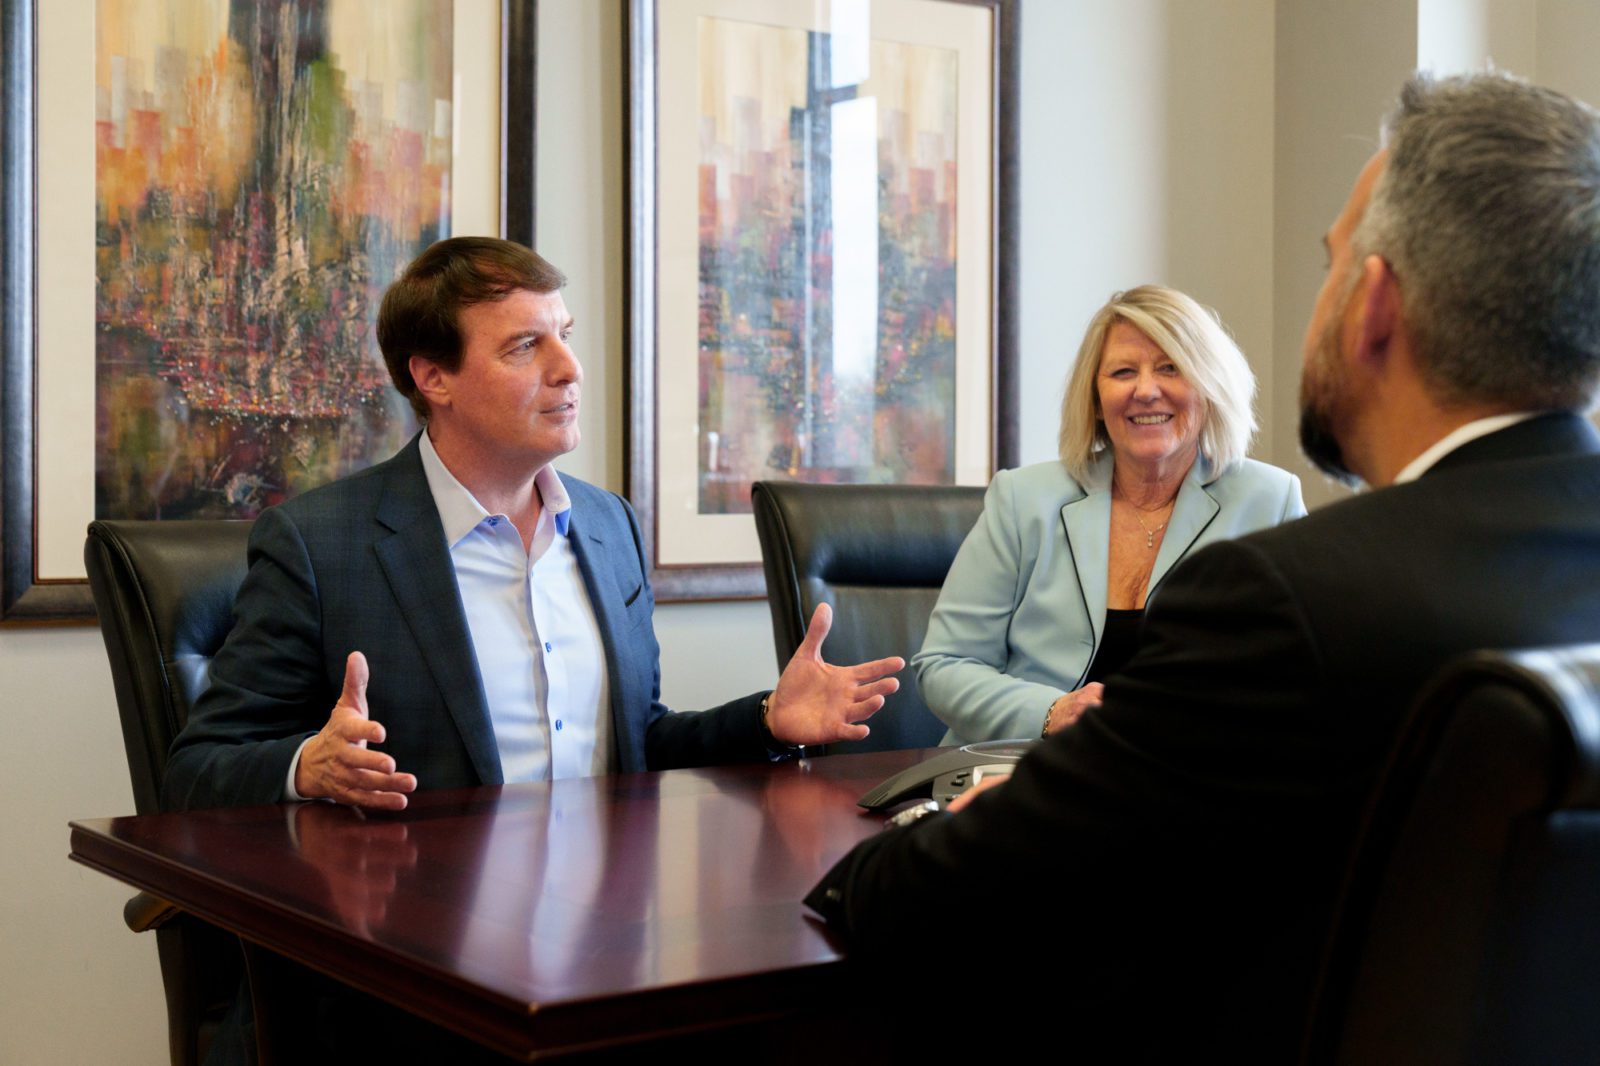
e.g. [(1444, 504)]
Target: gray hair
[(1488, 212), (1192, 336)]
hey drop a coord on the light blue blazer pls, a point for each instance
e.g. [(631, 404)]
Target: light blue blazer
[(1024, 606)]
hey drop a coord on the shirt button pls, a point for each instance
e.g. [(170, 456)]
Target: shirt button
[(558, 725), (547, 645), (494, 520)]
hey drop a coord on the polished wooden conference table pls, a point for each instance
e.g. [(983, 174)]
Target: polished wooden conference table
[(536, 919)]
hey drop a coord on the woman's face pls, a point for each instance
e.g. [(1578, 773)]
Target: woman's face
[(1151, 414)]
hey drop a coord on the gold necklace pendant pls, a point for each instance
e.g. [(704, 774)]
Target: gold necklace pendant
[(1149, 534), (1138, 516)]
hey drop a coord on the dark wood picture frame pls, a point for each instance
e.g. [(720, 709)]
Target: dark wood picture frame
[(744, 580), (25, 598)]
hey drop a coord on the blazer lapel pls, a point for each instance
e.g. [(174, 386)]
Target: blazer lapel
[(1193, 511), (589, 548), (416, 563), (1088, 528)]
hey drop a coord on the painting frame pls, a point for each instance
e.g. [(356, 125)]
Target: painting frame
[(648, 364), (26, 598)]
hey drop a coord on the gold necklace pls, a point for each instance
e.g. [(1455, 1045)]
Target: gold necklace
[(1138, 516), (1149, 534)]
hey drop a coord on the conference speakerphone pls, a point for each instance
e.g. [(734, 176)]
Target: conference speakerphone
[(947, 775)]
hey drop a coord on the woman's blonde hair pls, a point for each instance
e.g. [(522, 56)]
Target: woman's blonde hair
[(1193, 337)]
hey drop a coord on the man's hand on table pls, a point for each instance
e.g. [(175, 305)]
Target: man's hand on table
[(336, 763), (963, 801), (816, 703)]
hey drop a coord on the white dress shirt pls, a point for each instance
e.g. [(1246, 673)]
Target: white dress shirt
[(533, 630)]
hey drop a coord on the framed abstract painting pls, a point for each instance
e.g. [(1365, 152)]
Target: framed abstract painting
[(204, 201), (822, 260)]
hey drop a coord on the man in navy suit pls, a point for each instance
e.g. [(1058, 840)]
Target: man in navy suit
[(461, 614)]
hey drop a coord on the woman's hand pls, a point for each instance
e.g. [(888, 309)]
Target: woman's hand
[(1069, 708)]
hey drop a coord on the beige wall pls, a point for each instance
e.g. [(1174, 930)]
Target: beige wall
[(75, 985), (1338, 66), (1146, 157), (1202, 143), (1565, 32)]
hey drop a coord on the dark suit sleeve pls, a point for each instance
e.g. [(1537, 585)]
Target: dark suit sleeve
[(729, 733), (1203, 750), (268, 686)]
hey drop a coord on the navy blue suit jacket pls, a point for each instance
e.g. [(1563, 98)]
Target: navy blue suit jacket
[(1180, 848), (362, 565)]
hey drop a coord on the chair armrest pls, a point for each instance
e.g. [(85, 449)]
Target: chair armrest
[(145, 912)]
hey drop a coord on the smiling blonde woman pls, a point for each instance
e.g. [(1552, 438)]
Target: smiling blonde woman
[(1046, 596)]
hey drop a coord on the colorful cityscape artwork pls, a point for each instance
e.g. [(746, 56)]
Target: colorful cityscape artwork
[(827, 260), (264, 168)]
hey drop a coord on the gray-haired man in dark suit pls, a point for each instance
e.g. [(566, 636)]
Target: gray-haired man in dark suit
[(1173, 857)]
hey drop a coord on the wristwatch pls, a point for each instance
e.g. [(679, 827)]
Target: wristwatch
[(777, 750), (912, 815)]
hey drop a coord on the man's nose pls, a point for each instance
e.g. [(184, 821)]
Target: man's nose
[(564, 368)]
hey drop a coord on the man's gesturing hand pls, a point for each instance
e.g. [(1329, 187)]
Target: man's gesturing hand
[(816, 703), (336, 764)]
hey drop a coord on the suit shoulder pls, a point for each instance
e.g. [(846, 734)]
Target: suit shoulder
[(1028, 500), (583, 494), (1349, 525), (1263, 473), (1255, 495), (1252, 475), (1046, 483), (597, 508), (349, 495)]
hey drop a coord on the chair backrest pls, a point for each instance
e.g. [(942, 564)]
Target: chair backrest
[(1470, 925), (879, 555), (164, 593)]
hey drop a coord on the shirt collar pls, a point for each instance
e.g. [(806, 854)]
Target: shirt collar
[(460, 512), (1471, 431)]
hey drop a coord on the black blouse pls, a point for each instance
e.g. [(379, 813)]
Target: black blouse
[(1117, 644)]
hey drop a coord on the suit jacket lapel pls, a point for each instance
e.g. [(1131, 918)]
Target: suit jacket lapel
[(1193, 511), (416, 562), (1088, 527), (590, 549)]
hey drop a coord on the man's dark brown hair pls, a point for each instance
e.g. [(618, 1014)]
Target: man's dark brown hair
[(420, 311)]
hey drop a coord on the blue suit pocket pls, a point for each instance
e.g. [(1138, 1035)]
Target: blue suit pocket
[(636, 609)]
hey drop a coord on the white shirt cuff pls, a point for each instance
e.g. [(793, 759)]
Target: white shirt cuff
[(289, 793)]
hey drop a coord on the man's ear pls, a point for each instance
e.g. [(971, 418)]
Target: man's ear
[(1379, 309), (431, 381)]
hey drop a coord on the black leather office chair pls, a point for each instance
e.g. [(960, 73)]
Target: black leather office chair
[(164, 592), (1470, 926), (878, 554)]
